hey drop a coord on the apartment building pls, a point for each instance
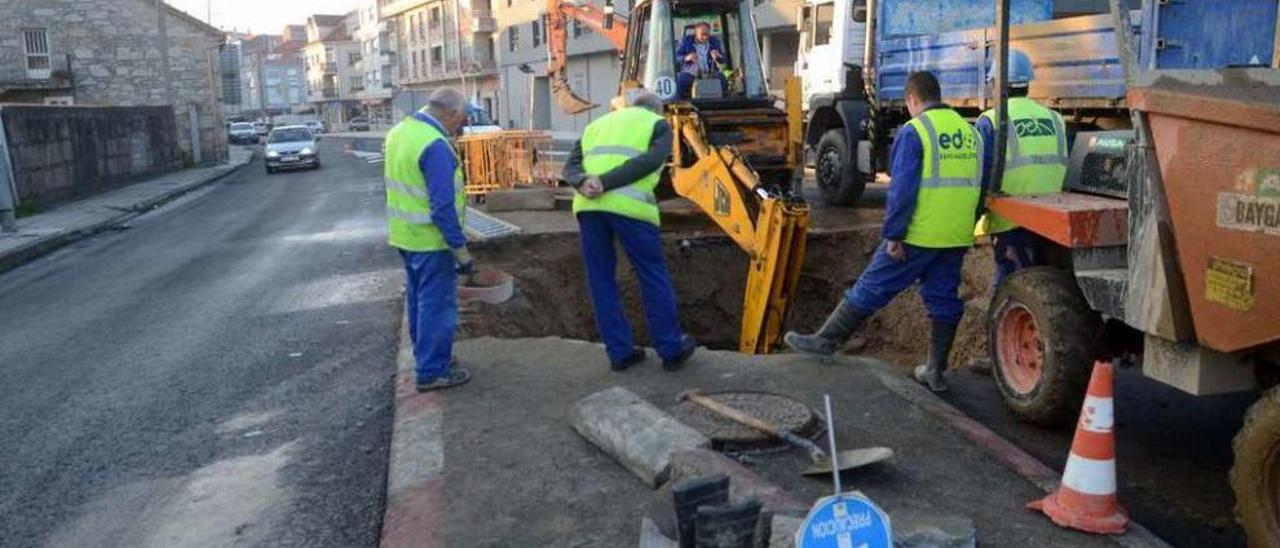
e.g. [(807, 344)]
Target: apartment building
[(377, 65), (444, 43), (331, 57), (593, 66)]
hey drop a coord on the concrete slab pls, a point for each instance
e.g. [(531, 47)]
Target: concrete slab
[(516, 474), (638, 435)]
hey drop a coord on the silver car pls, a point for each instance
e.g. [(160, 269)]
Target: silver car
[(292, 147)]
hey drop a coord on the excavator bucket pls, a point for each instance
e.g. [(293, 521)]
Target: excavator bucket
[(565, 97)]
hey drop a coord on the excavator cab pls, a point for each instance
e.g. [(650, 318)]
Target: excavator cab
[(659, 26)]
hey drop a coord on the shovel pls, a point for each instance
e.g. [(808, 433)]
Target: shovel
[(846, 460)]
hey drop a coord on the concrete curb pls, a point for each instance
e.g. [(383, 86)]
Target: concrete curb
[(45, 244), (415, 471), (1003, 450)]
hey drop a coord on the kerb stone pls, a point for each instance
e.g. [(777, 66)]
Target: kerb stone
[(518, 199), (635, 433)]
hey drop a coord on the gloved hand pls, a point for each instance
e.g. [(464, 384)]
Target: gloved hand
[(465, 265)]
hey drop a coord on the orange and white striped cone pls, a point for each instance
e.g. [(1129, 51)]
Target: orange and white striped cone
[(1086, 500)]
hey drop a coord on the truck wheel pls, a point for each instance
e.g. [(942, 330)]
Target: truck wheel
[(1042, 335), (1255, 476), (836, 170)]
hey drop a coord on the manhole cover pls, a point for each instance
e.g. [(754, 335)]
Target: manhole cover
[(726, 435)]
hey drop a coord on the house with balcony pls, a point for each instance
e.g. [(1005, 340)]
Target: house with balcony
[(332, 57), (71, 52), (444, 43), (377, 63)]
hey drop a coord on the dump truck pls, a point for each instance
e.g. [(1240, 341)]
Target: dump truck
[(1164, 248), (736, 154)]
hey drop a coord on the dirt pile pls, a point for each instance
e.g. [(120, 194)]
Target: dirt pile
[(709, 275)]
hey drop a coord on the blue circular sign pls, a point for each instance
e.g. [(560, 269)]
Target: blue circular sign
[(850, 520)]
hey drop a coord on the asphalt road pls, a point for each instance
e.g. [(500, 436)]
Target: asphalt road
[(1173, 452), (218, 374)]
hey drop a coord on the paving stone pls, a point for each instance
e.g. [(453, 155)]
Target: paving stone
[(517, 199), (651, 537), (635, 433), (917, 530)]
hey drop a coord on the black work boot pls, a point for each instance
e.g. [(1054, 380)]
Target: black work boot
[(842, 322), (940, 338), (636, 356), (687, 347)]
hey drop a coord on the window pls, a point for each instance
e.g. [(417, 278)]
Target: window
[(513, 38), (437, 56), (822, 24), (435, 17), (580, 29), (422, 33), (415, 64), (536, 31), (36, 45), (357, 83)]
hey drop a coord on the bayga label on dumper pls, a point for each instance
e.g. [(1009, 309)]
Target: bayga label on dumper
[(1256, 208)]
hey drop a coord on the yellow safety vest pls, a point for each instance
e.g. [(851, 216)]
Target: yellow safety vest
[(950, 181), (1036, 160), (610, 141), (409, 225)]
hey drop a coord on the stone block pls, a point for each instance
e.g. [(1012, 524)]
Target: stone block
[(743, 483), (638, 435), (917, 530), (782, 531), (651, 537), (518, 199)]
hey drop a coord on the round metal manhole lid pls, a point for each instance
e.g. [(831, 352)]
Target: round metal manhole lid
[(725, 434)]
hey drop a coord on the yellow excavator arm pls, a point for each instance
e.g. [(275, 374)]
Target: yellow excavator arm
[(770, 226)]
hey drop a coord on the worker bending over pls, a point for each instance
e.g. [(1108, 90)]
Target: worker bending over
[(615, 167), (426, 205), (928, 226), (1035, 163)]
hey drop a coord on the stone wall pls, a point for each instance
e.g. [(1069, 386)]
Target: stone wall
[(115, 52), (63, 153)]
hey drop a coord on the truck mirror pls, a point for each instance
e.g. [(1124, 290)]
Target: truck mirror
[(859, 11)]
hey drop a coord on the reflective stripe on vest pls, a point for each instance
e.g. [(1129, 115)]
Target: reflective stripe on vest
[(409, 223), (950, 182), (609, 142), (1036, 160)]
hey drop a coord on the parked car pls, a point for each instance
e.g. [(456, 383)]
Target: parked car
[(242, 133), (292, 147), (359, 123), (316, 126)]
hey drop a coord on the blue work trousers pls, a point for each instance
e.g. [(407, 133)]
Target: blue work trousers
[(431, 300), (1014, 250), (937, 270), (642, 243)]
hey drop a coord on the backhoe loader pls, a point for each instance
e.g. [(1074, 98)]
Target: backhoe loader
[(736, 154)]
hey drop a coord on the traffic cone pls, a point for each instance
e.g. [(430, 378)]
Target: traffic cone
[(1086, 500)]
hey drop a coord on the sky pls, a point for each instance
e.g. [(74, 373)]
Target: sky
[(261, 16)]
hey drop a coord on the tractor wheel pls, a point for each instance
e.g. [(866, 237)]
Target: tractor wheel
[(1043, 338), (1255, 476), (836, 170)]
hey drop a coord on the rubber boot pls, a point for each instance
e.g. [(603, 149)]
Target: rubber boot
[(691, 494), (842, 322), (941, 336), (728, 525)]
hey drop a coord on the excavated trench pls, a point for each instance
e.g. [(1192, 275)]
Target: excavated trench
[(709, 275)]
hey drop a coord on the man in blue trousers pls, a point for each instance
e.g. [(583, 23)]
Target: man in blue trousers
[(426, 205), (615, 167), (928, 226)]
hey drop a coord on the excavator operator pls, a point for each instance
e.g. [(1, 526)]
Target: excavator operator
[(702, 56)]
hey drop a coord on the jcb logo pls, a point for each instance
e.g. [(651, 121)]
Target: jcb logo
[(721, 200), (961, 139), (1035, 127)]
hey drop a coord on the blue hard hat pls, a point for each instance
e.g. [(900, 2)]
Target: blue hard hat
[(1021, 72)]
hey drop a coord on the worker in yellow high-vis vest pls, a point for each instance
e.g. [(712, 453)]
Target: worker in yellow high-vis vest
[(426, 205), (928, 226), (1035, 163), (615, 167)]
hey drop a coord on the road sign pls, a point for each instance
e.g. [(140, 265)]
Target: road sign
[(850, 520)]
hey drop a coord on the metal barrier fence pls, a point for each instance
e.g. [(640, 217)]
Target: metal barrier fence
[(504, 159)]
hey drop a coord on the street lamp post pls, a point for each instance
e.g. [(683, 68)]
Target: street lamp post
[(525, 68)]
